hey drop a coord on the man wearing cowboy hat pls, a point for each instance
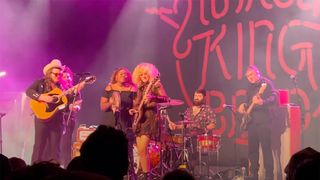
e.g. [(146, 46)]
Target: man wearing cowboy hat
[(47, 133)]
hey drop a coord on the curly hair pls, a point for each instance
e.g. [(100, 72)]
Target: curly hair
[(144, 67), (115, 73), (66, 69)]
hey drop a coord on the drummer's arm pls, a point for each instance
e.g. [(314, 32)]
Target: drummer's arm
[(174, 126), (212, 120), (180, 126), (210, 126)]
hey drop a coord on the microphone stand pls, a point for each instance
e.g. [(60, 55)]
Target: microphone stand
[(1, 116), (302, 120), (74, 96), (237, 134)]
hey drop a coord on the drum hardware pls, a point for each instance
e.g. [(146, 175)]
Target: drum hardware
[(180, 142), (185, 158), (164, 116), (206, 144), (167, 154)]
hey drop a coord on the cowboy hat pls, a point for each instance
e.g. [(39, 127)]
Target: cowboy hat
[(55, 63)]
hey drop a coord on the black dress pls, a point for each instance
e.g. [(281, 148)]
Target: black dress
[(149, 124), (121, 119)]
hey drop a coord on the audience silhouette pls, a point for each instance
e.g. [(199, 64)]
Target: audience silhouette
[(104, 152), (178, 174), (304, 164)]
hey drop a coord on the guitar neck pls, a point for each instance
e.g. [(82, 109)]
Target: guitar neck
[(70, 90), (146, 92), (250, 108), (87, 80)]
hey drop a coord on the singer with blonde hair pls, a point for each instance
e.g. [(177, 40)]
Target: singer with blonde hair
[(150, 92)]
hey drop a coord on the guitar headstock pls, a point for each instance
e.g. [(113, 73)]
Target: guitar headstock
[(155, 80), (262, 88), (90, 79)]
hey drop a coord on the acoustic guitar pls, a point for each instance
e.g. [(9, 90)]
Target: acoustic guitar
[(246, 118), (45, 111)]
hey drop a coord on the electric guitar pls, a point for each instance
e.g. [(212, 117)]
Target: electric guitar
[(139, 111), (246, 118), (44, 111)]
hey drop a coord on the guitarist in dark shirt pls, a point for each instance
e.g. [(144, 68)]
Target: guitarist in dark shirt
[(259, 120), (47, 133)]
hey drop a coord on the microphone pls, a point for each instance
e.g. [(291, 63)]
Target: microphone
[(82, 74), (227, 106)]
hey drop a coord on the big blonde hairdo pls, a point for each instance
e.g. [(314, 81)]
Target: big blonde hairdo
[(141, 68)]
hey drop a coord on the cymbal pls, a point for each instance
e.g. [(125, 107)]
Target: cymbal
[(172, 102)]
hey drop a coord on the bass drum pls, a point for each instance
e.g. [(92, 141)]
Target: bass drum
[(208, 143)]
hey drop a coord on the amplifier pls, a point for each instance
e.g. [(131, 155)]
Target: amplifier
[(76, 149), (83, 132)]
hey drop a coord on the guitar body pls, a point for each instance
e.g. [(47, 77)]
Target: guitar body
[(45, 111), (246, 118), (139, 110), (136, 119)]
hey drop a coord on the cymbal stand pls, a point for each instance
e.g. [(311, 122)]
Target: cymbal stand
[(185, 158), (161, 112), (164, 163)]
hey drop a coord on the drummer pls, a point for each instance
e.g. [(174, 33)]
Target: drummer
[(199, 118)]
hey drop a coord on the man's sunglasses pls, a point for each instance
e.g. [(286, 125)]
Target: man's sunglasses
[(56, 74)]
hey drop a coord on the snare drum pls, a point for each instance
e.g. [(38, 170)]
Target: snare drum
[(208, 143)]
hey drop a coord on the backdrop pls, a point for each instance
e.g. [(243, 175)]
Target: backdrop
[(195, 44)]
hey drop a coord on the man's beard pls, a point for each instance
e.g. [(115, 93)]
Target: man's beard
[(198, 103)]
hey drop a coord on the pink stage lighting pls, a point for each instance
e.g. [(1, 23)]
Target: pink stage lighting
[(2, 73)]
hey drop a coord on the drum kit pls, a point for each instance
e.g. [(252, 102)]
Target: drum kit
[(173, 150)]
